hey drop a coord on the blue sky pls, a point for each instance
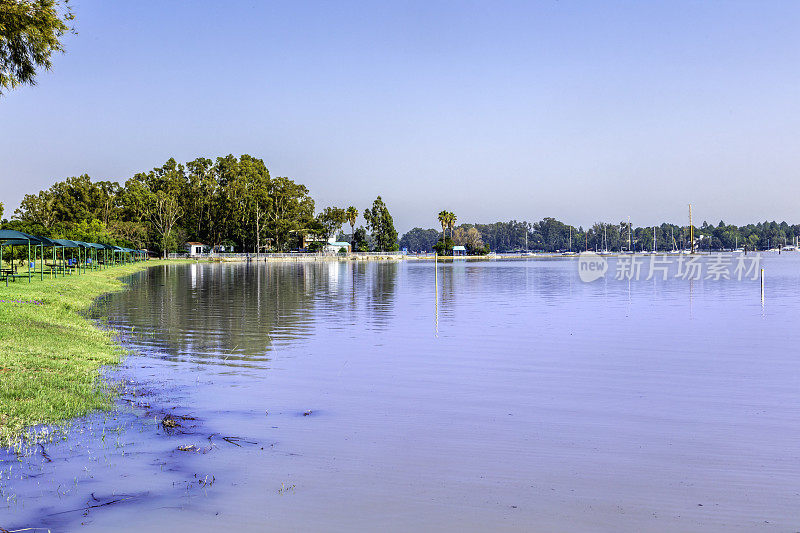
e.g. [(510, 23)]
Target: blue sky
[(583, 111)]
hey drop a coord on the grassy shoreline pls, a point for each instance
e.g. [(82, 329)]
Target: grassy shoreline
[(51, 353)]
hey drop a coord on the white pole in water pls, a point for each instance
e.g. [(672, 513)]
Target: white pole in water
[(436, 290), (762, 285)]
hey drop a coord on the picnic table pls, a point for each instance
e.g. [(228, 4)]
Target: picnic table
[(8, 273)]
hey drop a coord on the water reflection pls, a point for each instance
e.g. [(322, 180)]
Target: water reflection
[(216, 312), (536, 401)]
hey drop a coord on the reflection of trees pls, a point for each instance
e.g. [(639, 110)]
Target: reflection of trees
[(230, 312), (381, 280), (447, 275)]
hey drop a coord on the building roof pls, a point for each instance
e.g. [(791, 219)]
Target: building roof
[(338, 244), (459, 249), (195, 244)]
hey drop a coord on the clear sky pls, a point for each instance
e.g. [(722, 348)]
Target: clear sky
[(495, 110)]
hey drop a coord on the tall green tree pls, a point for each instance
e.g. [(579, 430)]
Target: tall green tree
[(352, 216), (30, 31), (291, 211), (451, 222), (37, 209), (443, 216), (360, 241), (200, 198), (330, 220), (250, 193), (381, 225), (156, 197)]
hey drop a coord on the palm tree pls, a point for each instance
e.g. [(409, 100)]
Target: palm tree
[(451, 222), (352, 215), (443, 218)]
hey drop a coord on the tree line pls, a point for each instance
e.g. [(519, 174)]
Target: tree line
[(228, 202), (551, 235), (233, 203)]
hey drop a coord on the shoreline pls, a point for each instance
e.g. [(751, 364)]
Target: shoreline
[(51, 353)]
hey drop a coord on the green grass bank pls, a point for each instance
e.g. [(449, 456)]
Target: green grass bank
[(50, 353)]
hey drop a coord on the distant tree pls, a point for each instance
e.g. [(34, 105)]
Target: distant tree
[(352, 216), (37, 209), (451, 222), (419, 240), (443, 218), (291, 211), (249, 192), (156, 196), (381, 225), (132, 234), (360, 241), (470, 239), (30, 31), (444, 246), (330, 220)]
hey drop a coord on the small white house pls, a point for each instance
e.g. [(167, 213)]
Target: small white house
[(336, 247), (196, 248)]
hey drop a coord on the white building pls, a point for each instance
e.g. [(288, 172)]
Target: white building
[(196, 248)]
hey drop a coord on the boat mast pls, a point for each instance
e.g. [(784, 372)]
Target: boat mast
[(691, 228), (630, 240)]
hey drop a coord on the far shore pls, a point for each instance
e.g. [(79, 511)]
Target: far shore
[(399, 256)]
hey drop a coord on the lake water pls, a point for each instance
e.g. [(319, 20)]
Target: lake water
[(496, 395)]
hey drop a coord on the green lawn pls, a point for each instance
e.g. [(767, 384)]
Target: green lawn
[(50, 354)]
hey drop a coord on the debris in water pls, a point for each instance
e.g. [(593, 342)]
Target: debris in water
[(307, 413), (235, 441), (169, 422)]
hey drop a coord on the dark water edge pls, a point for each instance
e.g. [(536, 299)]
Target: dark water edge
[(515, 398)]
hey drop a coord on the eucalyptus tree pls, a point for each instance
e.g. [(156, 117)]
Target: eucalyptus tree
[(330, 220), (37, 209), (156, 197), (291, 210), (30, 31), (252, 191), (199, 198)]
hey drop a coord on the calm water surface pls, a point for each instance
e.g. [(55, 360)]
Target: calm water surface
[(502, 396)]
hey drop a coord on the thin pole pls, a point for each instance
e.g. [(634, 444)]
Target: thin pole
[(29, 260), (691, 228), (630, 239)]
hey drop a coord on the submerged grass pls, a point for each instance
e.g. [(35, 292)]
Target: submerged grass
[(51, 353)]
